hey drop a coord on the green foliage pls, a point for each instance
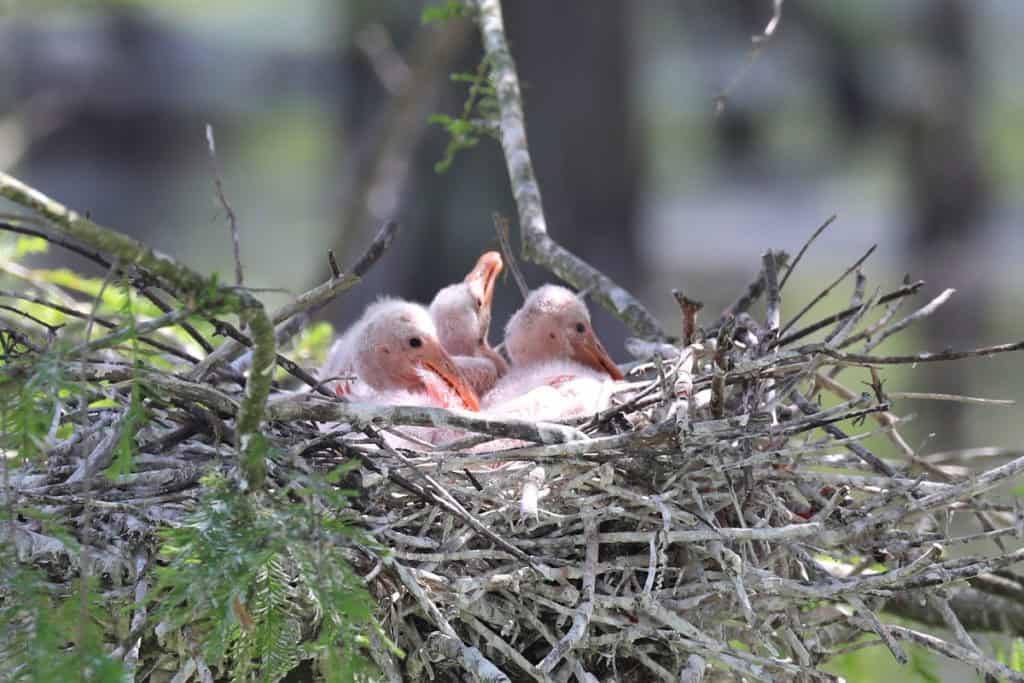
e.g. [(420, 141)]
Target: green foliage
[(877, 664), (1015, 658), (452, 9), (258, 580), (111, 299), (135, 416), (28, 404), (923, 667), (247, 571), (314, 341), (26, 245), (473, 123), (47, 637), (309, 347)]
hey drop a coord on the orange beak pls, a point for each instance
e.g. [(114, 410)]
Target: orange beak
[(483, 277), (435, 359), (588, 351)]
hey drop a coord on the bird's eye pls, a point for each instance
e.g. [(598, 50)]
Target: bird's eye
[(581, 328), (415, 342), (552, 335), (479, 302)]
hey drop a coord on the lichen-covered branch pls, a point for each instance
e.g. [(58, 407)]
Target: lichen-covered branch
[(184, 283)]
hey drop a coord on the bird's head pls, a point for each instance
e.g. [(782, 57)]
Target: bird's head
[(554, 324), (398, 347), (462, 311)]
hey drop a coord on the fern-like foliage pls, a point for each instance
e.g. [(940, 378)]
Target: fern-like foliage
[(47, 637), (247, 571), (479, 112)]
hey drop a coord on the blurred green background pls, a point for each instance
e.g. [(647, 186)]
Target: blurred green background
[(670, 154)]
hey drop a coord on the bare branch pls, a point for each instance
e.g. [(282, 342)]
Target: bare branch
[(807, 245), (501, 226), (218, 182)]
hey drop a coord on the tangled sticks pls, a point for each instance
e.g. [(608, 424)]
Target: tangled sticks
[(724, 517), (732, 526)]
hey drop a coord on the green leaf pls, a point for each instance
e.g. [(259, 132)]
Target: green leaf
[(440, 119), (30, 245), (1017, 654), (450, 10)]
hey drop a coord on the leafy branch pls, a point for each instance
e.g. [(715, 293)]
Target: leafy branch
[(478, 117)]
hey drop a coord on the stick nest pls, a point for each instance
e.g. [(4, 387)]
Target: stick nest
[(725, 517)]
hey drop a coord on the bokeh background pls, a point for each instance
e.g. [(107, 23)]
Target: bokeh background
[(670, 153)]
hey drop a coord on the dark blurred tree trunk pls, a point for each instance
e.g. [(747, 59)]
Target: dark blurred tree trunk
[(575, 61), (949, 197), (388, 151)]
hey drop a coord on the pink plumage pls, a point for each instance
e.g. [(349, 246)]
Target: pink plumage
[(559, 367)]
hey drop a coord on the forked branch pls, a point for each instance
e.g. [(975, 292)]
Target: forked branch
[(538, 245)]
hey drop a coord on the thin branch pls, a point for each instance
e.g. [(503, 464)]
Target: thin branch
[(753, 292), (905, 290), (757, 44), (956, 398), (825, 292), (378, 245), (501, 227), (690, 309), (307, 301), (807, 245), (773, 23), (305, 407), (98, 258), (773, 301), (102, 322), (985, 665), (864, 454), (218, 182), (50, 329), (936, 357), (923, 312)]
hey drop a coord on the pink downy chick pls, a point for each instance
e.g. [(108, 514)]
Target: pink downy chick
[(559, 367), (396, 354), (462, 314), (340, 362), (399, 360)]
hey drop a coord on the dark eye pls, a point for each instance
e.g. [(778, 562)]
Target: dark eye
[(479, 302), (552, 335), (415, 342), (581, 328)]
